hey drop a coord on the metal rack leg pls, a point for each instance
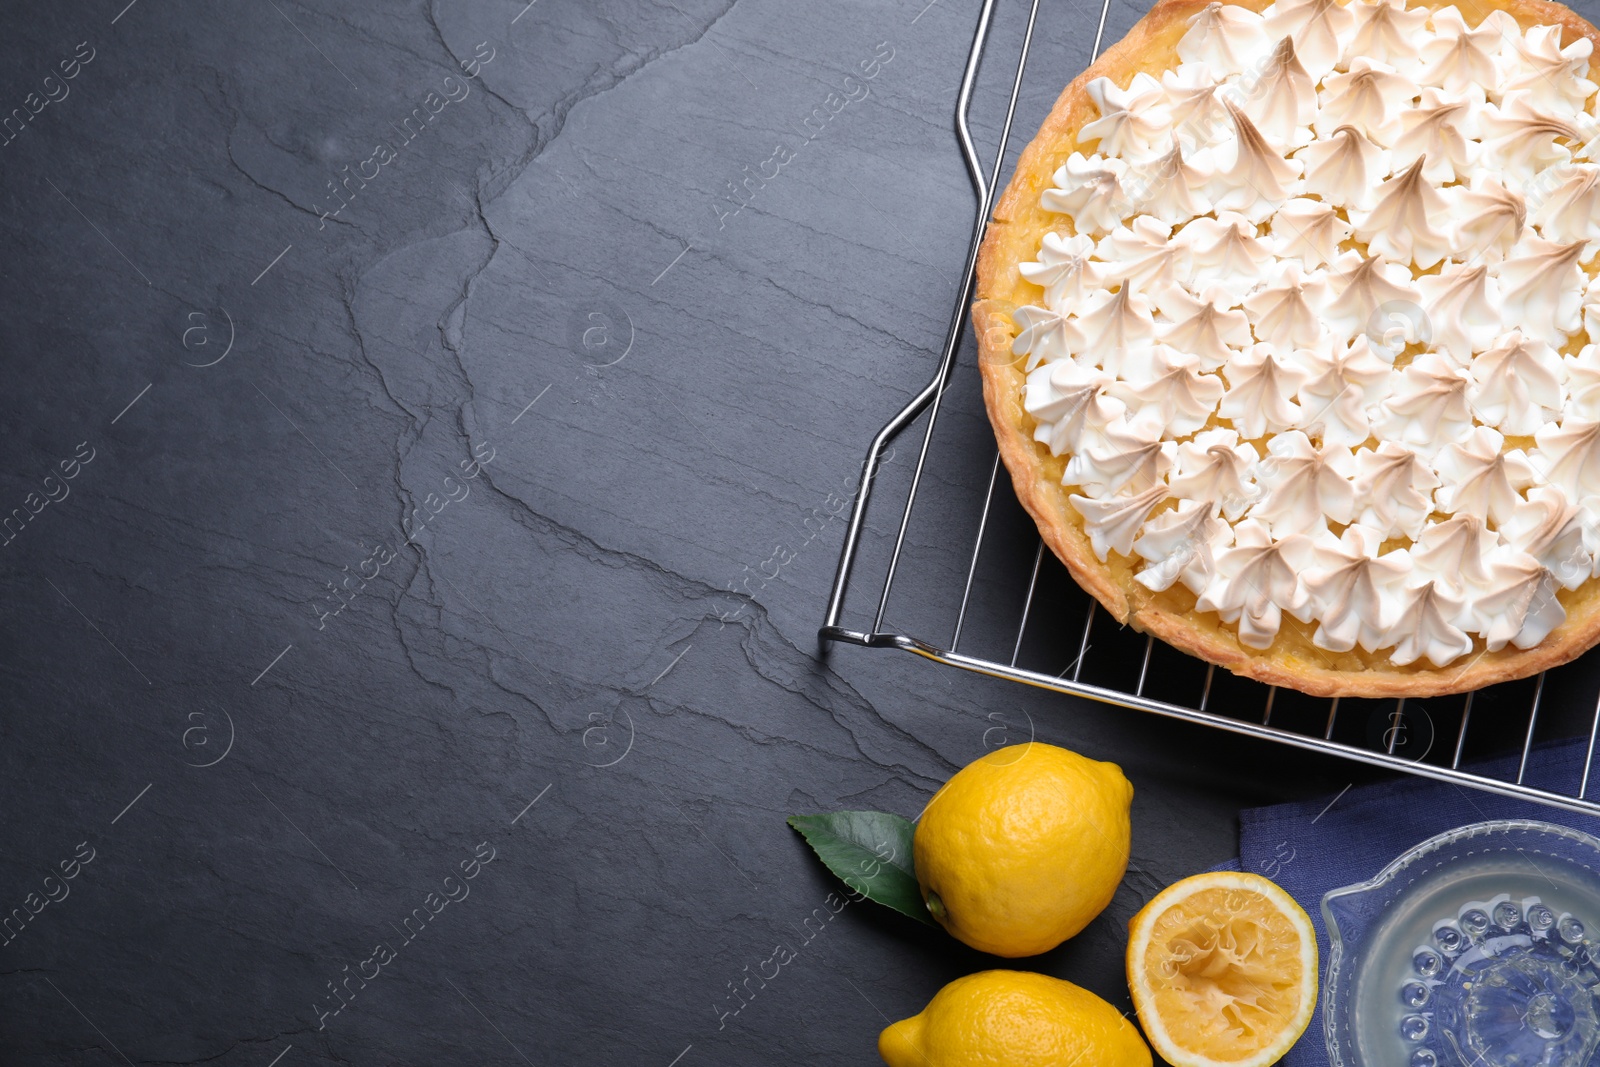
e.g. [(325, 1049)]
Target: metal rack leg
[(1533, 718), (1027, 604), (1144, 668), (1393, 734), (1083, 646), (1461, 736), (1588, 761), (977, 546)]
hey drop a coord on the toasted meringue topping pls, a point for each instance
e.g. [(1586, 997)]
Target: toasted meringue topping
[(1342, 388), (1552, 75), (1181, 543), (1568, 456), (1170, 187), (1393, 485), (1308, 230), (1461, 307), (1113, 323), (1319, 28), (1567, 207), (1521, 606), (1045, 336), (1070, 404), (1113, 522), (1064, 269), (1452, 553), (1386, 31), (1305, 486), (1429, 406), (1205, 327), (1217, 469), (1345, 168), (1131, 455), (1365, 287), (1143, 252), (1368, 97), (1131, 119), (1591, 309), (1176, 393), (1457, 58), (1523, 139), (1541, 286), (1323, 288), (1550, 529), (1404, 224), (1256, 580), (1479, 479), (1259, 387), (1492, 217), (1425, 627), (1090, 190), (1224, 252), (1255, 175), (1517, 385), (1437, 132), (1193, 103), (1286, 313), (1284, 99), (1582, 374), (1225, 37), (1353, 587)]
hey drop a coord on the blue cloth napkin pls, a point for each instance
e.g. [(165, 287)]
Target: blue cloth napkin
[(1312, 847)]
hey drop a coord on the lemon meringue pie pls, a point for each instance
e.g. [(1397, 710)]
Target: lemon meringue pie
[(1289, 328)]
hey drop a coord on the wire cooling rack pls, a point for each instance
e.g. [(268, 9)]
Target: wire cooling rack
[(1024, 618)]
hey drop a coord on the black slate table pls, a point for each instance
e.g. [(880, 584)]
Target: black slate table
[(398, 399)]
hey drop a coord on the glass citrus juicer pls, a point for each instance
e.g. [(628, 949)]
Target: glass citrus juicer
[(1478, 948)]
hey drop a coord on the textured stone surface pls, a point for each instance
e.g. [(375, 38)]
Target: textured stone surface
[(561, 627)]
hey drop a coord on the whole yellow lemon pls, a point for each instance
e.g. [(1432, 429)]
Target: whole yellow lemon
[(1013, 1019), (1023, 847)]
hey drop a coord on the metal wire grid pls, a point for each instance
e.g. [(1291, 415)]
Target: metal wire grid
[(1398, 731)]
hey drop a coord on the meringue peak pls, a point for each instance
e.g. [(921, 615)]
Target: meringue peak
[(1480, 479), (1344, 167), (1130, 119), (1180, 544), (1385, 30), (1541, 285), (1257, 174), (1368, 96), (1063, 269), (1456, 57), (1284, 98), (1403, 224), (1367, 286), (1494, 217), (1460, 301), (1225, 37), (1319, 29), (1113, 522)]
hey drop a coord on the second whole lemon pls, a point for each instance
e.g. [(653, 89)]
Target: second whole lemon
[(1023, 847), (1013, 1019)]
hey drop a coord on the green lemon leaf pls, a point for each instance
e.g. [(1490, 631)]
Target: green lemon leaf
[(870, 851)]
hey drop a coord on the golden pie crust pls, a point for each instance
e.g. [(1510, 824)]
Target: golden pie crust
[(1014, 236)]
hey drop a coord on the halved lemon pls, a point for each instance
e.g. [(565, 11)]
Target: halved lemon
[(1223, 971)]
